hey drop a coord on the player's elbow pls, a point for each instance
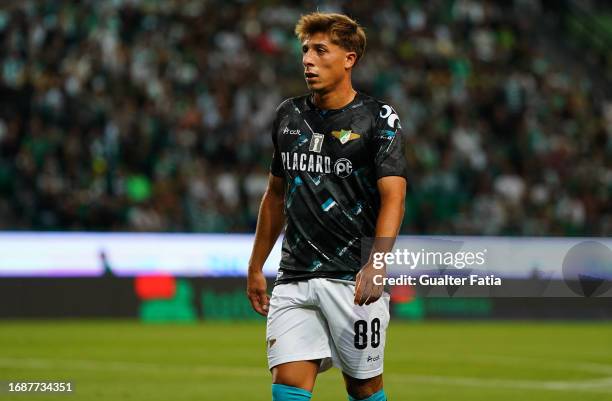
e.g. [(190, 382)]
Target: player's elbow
[(394, 199), (273, 198), (276, 188)]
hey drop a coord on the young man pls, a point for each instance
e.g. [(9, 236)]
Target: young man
[(337, 177)]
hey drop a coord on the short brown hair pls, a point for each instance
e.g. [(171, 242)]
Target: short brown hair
[(342, 30)]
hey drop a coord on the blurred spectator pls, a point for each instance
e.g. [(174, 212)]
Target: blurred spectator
[(154, 115)]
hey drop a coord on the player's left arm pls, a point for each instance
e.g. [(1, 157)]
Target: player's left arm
[(391, 172), (392, 191)]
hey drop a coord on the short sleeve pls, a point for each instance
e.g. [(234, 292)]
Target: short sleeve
[(388, 145), (276, 167)]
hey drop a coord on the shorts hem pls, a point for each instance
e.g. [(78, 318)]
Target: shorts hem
[(297, 357), (363, 375)]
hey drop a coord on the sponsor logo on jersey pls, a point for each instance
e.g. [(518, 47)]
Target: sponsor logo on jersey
[(306, 162), (311, 163), (316, 142), (288, 131), (343, 167), (373, 359), (345, 135)]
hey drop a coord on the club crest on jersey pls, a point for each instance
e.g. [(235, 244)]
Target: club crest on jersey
[(345, 135)]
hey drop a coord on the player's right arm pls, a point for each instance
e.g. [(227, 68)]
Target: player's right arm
[(270, 223)]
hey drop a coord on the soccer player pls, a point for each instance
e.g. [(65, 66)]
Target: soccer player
[(338, 176)]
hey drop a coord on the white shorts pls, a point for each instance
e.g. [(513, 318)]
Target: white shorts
[(317, 319)]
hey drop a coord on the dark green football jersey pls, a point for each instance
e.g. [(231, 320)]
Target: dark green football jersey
[(331, 161)]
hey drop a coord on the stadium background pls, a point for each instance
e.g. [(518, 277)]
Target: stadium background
[(153, 116)]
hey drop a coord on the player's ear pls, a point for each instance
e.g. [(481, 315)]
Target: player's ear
[(350, 59)]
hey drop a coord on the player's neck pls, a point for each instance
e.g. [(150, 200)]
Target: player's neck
[(334, 99)]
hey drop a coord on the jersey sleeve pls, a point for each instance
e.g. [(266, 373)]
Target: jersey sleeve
[(388, 144), (276, 167)]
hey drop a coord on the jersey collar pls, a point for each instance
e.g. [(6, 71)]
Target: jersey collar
[(328, 112)]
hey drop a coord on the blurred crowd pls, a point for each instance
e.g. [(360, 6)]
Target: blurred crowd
[(155, 115)]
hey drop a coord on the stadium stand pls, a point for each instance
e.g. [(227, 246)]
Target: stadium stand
[(155, 115)]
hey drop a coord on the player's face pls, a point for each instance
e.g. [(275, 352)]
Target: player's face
[(325, 64)]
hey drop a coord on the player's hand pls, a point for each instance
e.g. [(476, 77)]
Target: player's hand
[(256, 291), (366, 292)]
